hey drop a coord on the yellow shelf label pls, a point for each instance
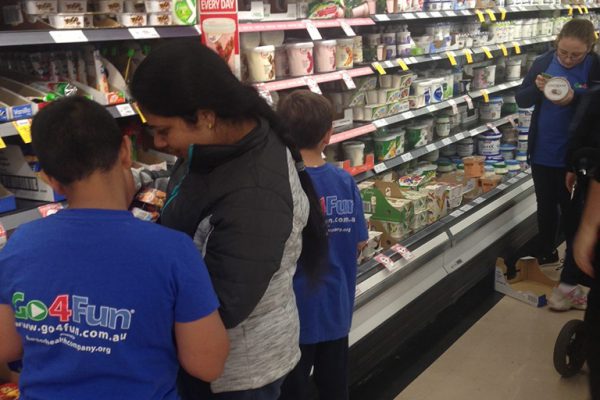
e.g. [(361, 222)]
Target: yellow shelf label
[(402, 64), (491, 14), (2, 144), (487, 52), (570, 9), (137, 109), (502, 13), (597, 35), (480, 15), (23, 127), (517, 47), (585, 10), (579, 10), (486, 96), (468, 56), (504, 50), (452, 58), (379, 68)]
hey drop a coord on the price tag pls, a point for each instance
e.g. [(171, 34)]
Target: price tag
[(402, 64), (76, 36), (460, 136), (379, 68), (385, 260), (480, 15), (421, 15), (23, 127), (570, 8), (430, 147), (447, 141), (456, 213), (491, 14), (493, 128), (502, 186), (479, 200), (465, 12), (579, 10), (468, 56), (347, 28), (408, 115), (431, 108), (264, 93), (436, 14), (406, 157), (49, 209), (585, 10), (487, 52), (313, 32), (403, 251), (517, 47), (144, 33), (409, 16), (452, 58), (512, 180), (125, 110), (380, 122), (348, 80), (502, 13), (486, 95), (312, 85), (454, 106), (469, 102), (140, 113), (2, 144), (379, 168), (466, 207), (504, 50), (382, 17), (474, 132)]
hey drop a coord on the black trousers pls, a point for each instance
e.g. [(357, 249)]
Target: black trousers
[(592, 320), (330, 362), (558, 216)]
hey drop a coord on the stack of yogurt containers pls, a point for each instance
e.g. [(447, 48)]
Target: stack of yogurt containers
[(523, 138)]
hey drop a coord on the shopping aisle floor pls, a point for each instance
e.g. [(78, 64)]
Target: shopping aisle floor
[(506, 355)]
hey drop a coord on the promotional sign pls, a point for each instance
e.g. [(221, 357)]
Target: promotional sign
[(220, 30)]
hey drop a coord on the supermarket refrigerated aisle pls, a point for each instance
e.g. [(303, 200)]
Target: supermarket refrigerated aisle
[(507, 354)]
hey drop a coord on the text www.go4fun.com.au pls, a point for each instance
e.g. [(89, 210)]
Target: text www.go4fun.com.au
[(67, 319)]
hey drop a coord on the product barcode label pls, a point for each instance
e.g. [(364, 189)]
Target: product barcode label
[(312, 85), (456, 213), (479, 200), (385, 261), (512, 180), (431, 108), (144, 33), (502, 186), (379, 168), (435, 14), (446, 141), (382, 17), (347, 28), (313, 32), (348, 80), (125, 110), (430, 147), (75, 36), (466, 207), (19, 182), (403, 251), (460, 136), (406, 157)]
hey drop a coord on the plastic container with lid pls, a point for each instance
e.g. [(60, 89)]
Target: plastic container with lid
[(489, 143), (509, 105), (416, 136), (354, 151), (491, 110), (557, 89), (300, 58), (325, 55), (344, 55), (523, 142), (448, 151), (385, 146), (442, 126), (484, 77), (525, 117), (521, 157), (513, 167), (513, 69), (500, 168), (508, 151), (465, 147), (445, 165), (261, 63), (474, 166), (432, 156), (282, 66)]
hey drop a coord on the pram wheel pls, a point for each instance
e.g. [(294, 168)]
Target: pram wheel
[(569, 353)]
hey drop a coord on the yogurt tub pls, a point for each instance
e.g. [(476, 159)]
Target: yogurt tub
[(72, 6), (492, 110), (67, 21), (386, 81), (380, 52), (300, 58), (372, 97), (344, 53), (373, 39), (513, 69), (369, 144), (389, 38), (445, 166), (513, 167), (437, 90), (523, 143), (416, 136), (509, 105), (272, 38), (160, 19), (261, 63), (250, 40), (556, 89), (449, 151), (442, 126), (37, 7), (489, 144), (357, 49), (484, 77), (422, 45), (404, 50), (354, 151), (385, 146), (522, 159), (325, 55), (403, 38), (220, 35), (154, 6), (508, 151), (400, 141), (474, 166), (432, 156), (282, 67), (465, 147), (525, 117), (390, 51), (500, 168), (109, 6)]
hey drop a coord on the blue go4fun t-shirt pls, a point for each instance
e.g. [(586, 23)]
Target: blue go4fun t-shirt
[(554, 120), (95, 295), (325, 309)]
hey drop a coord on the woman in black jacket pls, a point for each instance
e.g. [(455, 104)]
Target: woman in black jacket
[(239, 190)]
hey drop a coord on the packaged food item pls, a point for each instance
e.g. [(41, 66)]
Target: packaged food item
[(219, 34), (160, 19), (261, 63), (109, 6), (474, 166), (344, 54), (300, 58), (185, 12), (557, 89), (157, 6), (325, 55), (385, 146), (354, 151), (72, 6), (489, 143), (132, 19), (491, 110)]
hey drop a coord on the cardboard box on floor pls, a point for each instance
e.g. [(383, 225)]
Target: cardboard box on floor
[(530, 286)]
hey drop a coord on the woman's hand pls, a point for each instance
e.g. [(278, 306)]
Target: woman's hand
[(540, 82), (570, 180), (567, 100)]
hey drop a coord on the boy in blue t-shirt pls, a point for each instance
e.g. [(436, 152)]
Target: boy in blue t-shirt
[(325, 305), (98, 304)]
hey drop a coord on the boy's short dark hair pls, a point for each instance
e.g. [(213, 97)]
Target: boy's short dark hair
[(73, 137), (308, 115)]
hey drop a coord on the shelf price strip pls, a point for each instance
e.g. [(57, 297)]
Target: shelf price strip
[(385, 261), (402, 64), (23, 128), (403, 251)]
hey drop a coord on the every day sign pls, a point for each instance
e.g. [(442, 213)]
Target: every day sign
[(219, 24)]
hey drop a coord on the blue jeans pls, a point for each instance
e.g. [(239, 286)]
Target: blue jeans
[(191, 388)]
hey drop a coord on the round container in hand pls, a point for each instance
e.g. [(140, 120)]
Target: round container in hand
[(354, 151), (556, 89), (385, 146), (344, 54), (325, 59), (300, 58), (491, 110), (489, 144), (261, 63)]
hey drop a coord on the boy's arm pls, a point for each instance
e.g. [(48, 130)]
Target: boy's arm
[(11, 347), (202, 346)]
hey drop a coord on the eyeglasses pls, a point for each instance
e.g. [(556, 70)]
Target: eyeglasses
[(572, 56)]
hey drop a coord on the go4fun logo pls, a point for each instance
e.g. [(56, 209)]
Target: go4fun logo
[(74, 309)]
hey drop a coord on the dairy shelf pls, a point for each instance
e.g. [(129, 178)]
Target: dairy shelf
[(292, 83), (265, 26), (37, 37), (421, 151)]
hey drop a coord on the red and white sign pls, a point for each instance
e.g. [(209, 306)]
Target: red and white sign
[(403, 251), (50, 209), (220, 30), (385, 260)]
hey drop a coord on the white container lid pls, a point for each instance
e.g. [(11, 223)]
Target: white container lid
[(345, 42), (302, 45), (556, 88), (355, 144), (218, 25), (329, 42), (263, 49)]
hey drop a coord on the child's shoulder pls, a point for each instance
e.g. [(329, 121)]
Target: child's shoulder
[(340, 173)]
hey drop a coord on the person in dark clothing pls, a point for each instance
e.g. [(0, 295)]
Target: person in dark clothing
[(573, 60), (241, 191)]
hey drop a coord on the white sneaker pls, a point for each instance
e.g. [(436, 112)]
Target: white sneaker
[(560, 301)]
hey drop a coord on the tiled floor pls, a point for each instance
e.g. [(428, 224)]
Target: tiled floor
[(506, 355)]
